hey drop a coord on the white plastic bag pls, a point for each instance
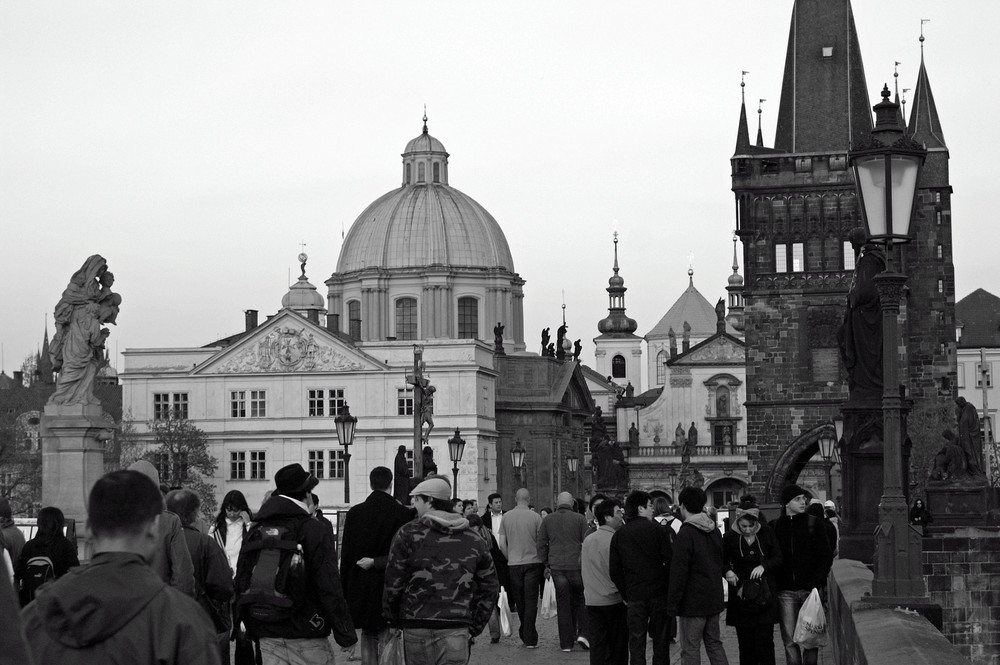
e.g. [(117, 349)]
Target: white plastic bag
[(504, 610), (810, 628), (392, 651), (548, 608)]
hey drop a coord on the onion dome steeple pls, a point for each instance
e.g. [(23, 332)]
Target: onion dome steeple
[(616, 323), (735, 289)]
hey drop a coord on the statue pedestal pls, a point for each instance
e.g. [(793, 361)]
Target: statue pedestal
[(73, 459), (963, 504)]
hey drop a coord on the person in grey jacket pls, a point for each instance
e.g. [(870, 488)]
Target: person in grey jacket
[(560, 540), (695, 594)]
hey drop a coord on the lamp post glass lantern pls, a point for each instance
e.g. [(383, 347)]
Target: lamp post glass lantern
[(517, 458), (572, 464), (886, 171), (346, 424), (827, 448), (456, 447)]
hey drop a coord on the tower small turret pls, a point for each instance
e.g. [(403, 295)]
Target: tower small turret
[(618, 351)]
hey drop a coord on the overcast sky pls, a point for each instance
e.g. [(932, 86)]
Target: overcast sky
[(195, 145)]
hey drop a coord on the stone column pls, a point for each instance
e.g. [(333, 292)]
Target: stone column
[(73, 459)]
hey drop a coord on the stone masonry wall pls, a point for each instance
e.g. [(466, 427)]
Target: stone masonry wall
[(962, 570)]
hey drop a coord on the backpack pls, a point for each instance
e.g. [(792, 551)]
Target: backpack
[(37, 572), (271, 584)]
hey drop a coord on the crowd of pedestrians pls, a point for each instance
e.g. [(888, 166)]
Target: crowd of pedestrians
[(421, 577)]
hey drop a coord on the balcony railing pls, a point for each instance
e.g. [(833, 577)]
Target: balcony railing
[(699, 451)]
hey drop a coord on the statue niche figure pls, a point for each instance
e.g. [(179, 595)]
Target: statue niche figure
[(679, 435), (609, 466), (545, 341), (860, 335), (970, 438), (633, 436), (949, 463), (77, 348), (498, 338)]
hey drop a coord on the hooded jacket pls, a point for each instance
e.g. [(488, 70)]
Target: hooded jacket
[(324, 607), (117, 610), (696, 569), (440, 575)]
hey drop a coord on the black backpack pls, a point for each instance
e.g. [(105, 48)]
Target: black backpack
[(37, 572), (271, 583)]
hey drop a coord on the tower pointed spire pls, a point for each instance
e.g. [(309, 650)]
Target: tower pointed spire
[(735, 289), (425, 119), (742, 130), (616, 323), (44, 360), (925, 125), (760, 111)]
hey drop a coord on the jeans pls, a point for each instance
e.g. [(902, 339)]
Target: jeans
[(789, 604), (571, 611), (525, 580), (371, 643), (436, 646), (281, 651), (608, 634), (648, 616), (695, 631), (756, 644)]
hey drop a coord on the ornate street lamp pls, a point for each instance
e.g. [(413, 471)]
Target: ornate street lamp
[(838, 427), (456, 446), (827, 447), (886, 171), (572, 464), (517, 458), (346, 423)]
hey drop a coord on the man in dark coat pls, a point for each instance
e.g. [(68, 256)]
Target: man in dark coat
[(368, 532), (695, 596)]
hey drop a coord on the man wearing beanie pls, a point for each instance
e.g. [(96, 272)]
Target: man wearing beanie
[(807, 558), (560, 541), (285, 523), (440, 584)]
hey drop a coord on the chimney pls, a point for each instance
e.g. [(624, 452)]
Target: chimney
[(333, 322), (313, 316), (251, 319), (18, 379)]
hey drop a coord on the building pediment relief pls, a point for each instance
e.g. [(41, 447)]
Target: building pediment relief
[(721, 350), (288, 345)]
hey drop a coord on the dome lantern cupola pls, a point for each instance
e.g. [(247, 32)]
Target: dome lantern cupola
[(425, 161), (302, 297), (616, 322)]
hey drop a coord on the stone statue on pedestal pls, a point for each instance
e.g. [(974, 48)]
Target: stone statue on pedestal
[(860, 335), (970, 438), (498, 339)]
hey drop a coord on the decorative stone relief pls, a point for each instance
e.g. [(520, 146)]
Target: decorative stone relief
[(286, 349)]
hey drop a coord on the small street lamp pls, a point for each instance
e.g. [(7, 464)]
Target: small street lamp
[(346, 423), (886, 172), (827, 448), (672, 479), (572, 464), (838, 427), (456, 446), (517, 458)]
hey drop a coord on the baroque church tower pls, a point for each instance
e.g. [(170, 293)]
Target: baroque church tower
[(618, 350), (795, 206)]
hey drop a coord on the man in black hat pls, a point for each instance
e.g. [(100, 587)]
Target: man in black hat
[(289, 548), (807, 559)]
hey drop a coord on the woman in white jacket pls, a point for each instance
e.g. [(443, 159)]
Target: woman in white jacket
[(231, 525)]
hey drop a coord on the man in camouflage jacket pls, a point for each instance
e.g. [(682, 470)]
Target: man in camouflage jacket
[(440, 583)]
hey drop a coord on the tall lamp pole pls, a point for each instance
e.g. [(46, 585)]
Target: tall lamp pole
[(886, 169), (517, 458), (827, 447), (346, 423), (456, 446)]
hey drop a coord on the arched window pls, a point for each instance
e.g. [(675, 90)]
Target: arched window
[(354, 319), (661, 368), (468, 317), (406, 318), (420, 172), (618, 367), (407, 175), (437, 172)]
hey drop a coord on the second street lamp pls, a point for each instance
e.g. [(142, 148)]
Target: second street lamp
[(456, 447), (827, 448), (517, 458), (346, 423)]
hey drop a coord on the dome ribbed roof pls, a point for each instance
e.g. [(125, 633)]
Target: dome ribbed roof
[(303, 295), (425, 222)]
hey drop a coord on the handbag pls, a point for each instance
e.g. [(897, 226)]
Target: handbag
[(548, 609), (810, 628), (504, 610), (392, 652), (755, 593)]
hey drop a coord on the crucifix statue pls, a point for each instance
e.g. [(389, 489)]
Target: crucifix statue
[(423, 408)]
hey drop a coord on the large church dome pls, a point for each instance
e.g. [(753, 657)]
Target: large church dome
[(425, 222)]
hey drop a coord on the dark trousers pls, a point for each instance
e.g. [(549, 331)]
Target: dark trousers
[(756, 644), (649, 617), (571, 611), (608, 634), (525, 580)]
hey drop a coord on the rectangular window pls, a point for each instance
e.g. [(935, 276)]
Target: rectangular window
[(316, 463), (468, 318), (337, 401), (961, 375), (317, 402), (406, 318), (258, 466), (937, 217), (170, 405), (780, 257), (337, 464), (940, 286), (848, 255), (238, 404), (354, 314), (980, 376), (404, 401), (258, 403), (798, 257), (238, 465)]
